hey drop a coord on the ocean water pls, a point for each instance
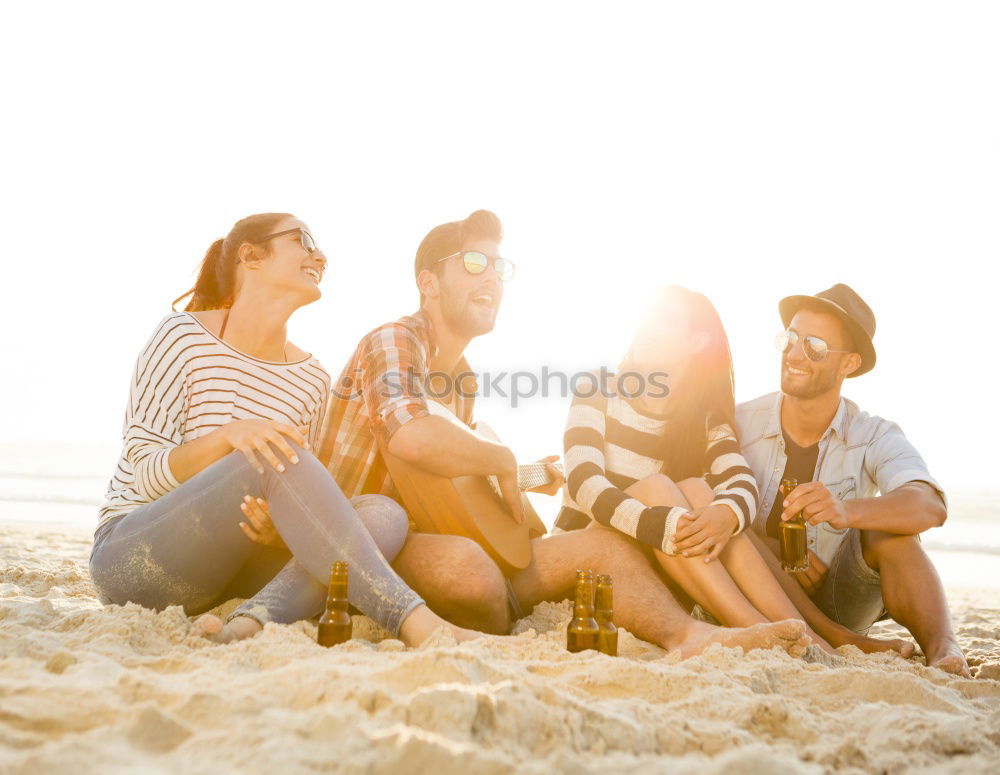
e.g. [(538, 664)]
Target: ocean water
[(65, 483)]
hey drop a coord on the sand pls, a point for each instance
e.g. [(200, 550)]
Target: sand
[(86, 688)]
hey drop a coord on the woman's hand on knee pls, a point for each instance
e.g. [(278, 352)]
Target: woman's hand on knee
[(705, 531), (259, 527), (257, 437)]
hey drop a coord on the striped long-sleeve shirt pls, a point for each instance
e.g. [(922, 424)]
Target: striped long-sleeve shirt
[(609, 445), (188, 382)]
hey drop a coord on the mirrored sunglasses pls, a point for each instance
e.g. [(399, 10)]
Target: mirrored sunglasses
[(476, 262), (814, 348)]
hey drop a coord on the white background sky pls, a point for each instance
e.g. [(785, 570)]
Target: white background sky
[(747, 150)]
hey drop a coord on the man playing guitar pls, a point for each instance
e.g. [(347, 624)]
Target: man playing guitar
[(381, 402)]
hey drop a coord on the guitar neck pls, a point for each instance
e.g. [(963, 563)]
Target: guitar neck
[(532, 475), (529, 476)]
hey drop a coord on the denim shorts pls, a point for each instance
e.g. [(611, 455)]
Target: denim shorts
[(851, 594)]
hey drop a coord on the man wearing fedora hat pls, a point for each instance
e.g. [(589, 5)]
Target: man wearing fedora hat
[(866, 492)]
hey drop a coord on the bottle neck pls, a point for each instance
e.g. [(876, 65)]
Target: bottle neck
[(337, 591), (584, 599)]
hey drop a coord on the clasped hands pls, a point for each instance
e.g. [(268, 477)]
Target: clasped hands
[(705, 531)]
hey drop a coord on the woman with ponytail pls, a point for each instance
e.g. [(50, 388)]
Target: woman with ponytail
[(655, 456), (217, 494)]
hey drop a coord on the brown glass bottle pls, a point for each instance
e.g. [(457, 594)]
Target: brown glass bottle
[(583, 632), (607, 641), (792, 535), (335, 623)]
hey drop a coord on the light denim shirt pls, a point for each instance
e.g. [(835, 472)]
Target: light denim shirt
[(860, 456)]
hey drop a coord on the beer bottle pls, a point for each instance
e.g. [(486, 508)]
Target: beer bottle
[(792, 535), (583, 632), (607, 641), (335, 623)]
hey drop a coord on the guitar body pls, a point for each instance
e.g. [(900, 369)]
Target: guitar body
[(466, 506)]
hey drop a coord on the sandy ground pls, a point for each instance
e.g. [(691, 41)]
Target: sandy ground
[(90, 689)]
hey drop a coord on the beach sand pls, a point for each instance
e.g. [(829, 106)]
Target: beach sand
[(84, 688)]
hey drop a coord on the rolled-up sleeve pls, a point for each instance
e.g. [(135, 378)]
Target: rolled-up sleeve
[(893, 461), (394, 365)]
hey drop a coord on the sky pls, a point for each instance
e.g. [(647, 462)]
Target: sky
[(748, 151)]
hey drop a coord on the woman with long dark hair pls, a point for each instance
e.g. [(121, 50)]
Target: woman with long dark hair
[(656, 456), (221, 416)]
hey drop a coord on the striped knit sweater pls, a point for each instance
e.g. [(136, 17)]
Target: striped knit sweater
[(609, 445), (187, 382)]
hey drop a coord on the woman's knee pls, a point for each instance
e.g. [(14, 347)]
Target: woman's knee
[(385, 520), (696, 492), (656, 490), (263, 473)]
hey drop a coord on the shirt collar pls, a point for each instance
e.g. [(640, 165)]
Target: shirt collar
[(774, 418), (838, 425)]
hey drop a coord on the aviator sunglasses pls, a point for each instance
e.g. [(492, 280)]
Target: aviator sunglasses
[(815, 349), (305, 238), (475, 262)]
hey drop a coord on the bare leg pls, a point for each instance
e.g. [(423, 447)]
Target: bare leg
[(738, 590), (458, 580), (835, 633), (710, 585), (643, 605), (914, 597), (713, 588)]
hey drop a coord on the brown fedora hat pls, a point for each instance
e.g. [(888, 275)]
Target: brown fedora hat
[(840, 300)]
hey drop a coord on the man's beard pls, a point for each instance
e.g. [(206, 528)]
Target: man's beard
[(463, 318), (818, 383)]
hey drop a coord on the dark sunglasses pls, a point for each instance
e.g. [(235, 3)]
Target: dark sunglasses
[(476, 262), (304, 237), (815, 349)]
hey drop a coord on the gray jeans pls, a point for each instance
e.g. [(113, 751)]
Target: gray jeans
[(186, 548)]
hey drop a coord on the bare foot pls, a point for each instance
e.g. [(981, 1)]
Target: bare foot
[(789, 634), (237, 628), (818, 641), (948, 656), (869, 645), (207, 626), (422, 623)]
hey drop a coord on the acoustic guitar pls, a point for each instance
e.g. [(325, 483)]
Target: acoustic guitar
[(471, 506)]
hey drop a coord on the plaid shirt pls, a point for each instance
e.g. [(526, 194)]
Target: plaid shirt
[(383, 387)]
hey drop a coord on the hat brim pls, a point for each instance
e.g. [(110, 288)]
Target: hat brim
[(789, 305)]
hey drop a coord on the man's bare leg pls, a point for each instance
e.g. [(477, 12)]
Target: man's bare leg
[(643, 604), (914, 596), (835, 633), (457, 579)]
